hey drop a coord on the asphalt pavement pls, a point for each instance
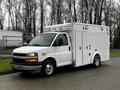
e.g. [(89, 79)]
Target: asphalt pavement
[(106, 77)]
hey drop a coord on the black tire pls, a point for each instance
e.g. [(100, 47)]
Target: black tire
[(15, 70), (48, 68), (97, 61), (25, 72)]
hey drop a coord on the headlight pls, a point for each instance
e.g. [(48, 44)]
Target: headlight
[(32, 58), (32, 54)]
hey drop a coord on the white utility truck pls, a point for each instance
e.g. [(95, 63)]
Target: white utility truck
[(75, 44)]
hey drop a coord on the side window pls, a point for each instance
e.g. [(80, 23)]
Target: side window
[(61, 40)]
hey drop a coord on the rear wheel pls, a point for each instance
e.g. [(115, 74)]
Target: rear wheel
[(48, 68), (97, 61)]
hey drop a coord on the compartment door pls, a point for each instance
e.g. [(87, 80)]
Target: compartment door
[(78, 46), (86, 47)]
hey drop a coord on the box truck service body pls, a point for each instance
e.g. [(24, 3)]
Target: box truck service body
[(73, 44)]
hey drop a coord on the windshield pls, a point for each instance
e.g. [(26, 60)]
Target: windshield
[(43, 39)]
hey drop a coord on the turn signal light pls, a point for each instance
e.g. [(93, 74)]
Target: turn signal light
[(31, 60)]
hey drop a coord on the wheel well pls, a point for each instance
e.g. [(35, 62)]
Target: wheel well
[(51, 59), (98, 56)]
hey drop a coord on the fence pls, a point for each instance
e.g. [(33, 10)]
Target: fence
[(2, 47)]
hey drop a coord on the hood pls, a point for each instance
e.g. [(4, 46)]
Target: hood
[(28, 49)]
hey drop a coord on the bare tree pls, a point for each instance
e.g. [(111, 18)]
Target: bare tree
[(41, 15), (11, 14), (59, 11), (2, 15), (56, 11), (68, 11), (98, 11), (29, 17), (34, 17), (74, 10), (52, 4)]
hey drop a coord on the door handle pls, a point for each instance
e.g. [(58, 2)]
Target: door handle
[(80, 47), (69, 48)]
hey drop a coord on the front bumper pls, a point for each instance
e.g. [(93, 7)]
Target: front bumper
[(26, 67)]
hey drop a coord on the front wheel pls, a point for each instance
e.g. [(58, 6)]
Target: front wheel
[(48, 68), (97, 61)]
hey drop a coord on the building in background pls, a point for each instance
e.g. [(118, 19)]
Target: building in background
[(10, 38)]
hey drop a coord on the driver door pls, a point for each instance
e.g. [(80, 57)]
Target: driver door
[(62, 49)]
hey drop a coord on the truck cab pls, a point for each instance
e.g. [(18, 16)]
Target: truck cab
[(45, 52)]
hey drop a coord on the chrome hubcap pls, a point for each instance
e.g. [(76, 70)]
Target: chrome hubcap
[(49, 69)]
